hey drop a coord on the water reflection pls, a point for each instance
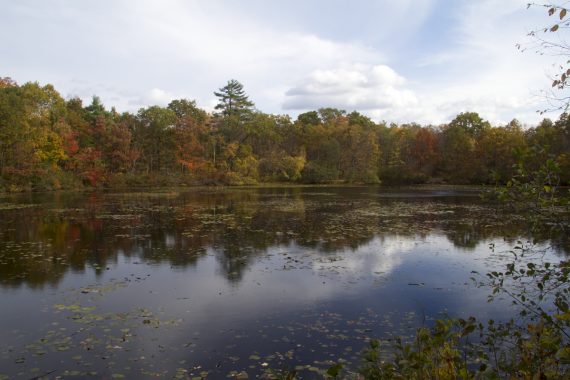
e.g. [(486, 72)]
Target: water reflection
[(70, 232), (149, 284)]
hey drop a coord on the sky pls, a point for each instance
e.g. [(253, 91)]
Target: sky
[(399, 61)]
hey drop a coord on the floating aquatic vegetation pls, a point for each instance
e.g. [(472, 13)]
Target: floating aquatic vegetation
[(17, 206), (215, 283)]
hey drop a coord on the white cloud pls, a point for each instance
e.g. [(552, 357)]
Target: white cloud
[(186, 48), (156, 96), (380, 255), (483, 71), (371, 57), (479, 70), (355, 86)]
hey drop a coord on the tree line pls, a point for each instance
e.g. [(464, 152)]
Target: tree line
[(48, 142)]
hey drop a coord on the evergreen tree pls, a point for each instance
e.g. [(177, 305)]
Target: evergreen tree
[(233, 103)]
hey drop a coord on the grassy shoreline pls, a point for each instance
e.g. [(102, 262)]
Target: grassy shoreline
[(266, 185)]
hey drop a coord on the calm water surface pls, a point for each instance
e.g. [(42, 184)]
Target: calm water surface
[(225, 283)]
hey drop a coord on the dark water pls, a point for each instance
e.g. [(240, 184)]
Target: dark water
[(219, 283)]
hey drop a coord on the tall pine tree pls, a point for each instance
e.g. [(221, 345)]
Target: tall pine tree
[(233, 102)]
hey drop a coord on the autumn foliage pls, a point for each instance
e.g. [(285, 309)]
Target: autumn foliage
[(47, 142)]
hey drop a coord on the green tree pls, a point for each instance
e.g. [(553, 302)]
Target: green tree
[(359, 154), (461, 138), (356, 118), (496, 151), (154, 138), (31, 126), (309, 118), (396, 160), (322, 154), (471, 123), (458, 154), (184, 108), (233, 105), (331, 115), (95, 110)]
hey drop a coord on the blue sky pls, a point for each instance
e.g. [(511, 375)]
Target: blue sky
[(399, 61)]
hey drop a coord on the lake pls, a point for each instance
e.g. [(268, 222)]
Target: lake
[(234, 282)]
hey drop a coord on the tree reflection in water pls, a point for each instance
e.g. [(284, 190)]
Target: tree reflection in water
[(63, 233)]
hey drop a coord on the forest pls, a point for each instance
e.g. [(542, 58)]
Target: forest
[(49, 143)]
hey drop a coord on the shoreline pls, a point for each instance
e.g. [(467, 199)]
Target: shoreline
[(273, 185)]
